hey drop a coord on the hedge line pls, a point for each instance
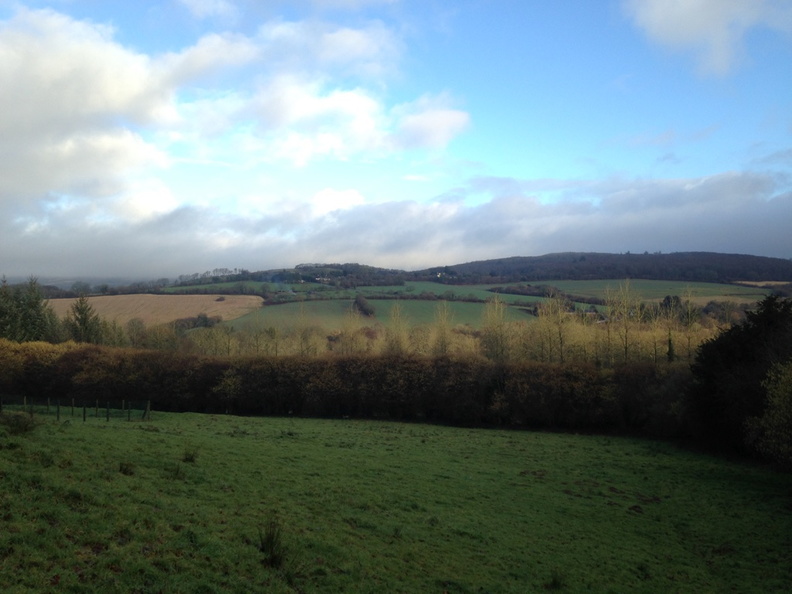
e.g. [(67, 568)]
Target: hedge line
[(637, 398)]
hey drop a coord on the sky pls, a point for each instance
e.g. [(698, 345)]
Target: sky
[(153, 139)]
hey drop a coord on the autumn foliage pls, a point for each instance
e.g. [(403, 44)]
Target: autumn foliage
[(463, 391)]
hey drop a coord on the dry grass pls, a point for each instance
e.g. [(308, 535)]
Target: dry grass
[(160, 309)]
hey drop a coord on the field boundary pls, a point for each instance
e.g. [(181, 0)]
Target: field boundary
[(74, 408)]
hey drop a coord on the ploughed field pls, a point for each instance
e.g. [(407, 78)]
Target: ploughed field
[(201, 503), (161, 309)]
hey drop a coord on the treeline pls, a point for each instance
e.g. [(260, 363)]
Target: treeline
[(627, 330), (342, 276), (25, 316), (734, 393), (637, 398)]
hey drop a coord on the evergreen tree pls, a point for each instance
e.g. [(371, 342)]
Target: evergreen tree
[(83, 323), (25, 315)]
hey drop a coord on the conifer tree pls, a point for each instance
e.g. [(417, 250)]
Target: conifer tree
[(83, 323)]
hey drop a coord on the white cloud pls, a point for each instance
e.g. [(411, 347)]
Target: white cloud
[(308, 46), (430, 122), (302, 121), (713, 29), (72, 103), (211, 53), (433, 128), (57, 73), (329, 200), (144, 199)]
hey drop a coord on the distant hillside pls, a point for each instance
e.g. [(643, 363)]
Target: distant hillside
[(680, 266)]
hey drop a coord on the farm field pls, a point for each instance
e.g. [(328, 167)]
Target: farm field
[(656, 290), (160, 309), (199, 503), (332, 314)]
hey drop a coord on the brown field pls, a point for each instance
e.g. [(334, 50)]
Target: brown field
[(160, 309)]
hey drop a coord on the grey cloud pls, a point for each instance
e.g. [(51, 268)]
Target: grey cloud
[(742, 213)]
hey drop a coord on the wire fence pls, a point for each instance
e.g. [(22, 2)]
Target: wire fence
[(75, 408)]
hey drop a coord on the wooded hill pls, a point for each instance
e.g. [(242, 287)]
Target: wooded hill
[(687, 267), (679, 266)]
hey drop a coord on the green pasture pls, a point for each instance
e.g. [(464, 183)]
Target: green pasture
[(649, 290), (200, 503), (656, 290), (329, 314), (332, 314), (419, 313)]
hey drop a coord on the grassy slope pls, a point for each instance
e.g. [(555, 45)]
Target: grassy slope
[(380, 507)]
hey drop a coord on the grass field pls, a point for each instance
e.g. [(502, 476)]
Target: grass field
[(160, 309), (655, 290), (198, 503), (331, 314)]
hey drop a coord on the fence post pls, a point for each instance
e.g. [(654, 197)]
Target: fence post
[(129, 413), (84, 411), (147, 414), (108, 411), (72, 406), (57, 409), (96, 410)]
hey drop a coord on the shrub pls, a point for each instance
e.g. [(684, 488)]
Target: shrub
[(771, 434), (17, 423)]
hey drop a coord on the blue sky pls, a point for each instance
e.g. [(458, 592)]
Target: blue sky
[(154, 139)]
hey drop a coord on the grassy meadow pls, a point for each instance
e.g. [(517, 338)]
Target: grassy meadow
[(656, 290), (201, 503), (333, 314)]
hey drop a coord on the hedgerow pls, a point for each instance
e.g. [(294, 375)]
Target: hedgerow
[(634, 398)]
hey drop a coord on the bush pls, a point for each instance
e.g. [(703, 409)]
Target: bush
[(730, 369), (648, 398), (571, 396), (17, 423), (771, 434)]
